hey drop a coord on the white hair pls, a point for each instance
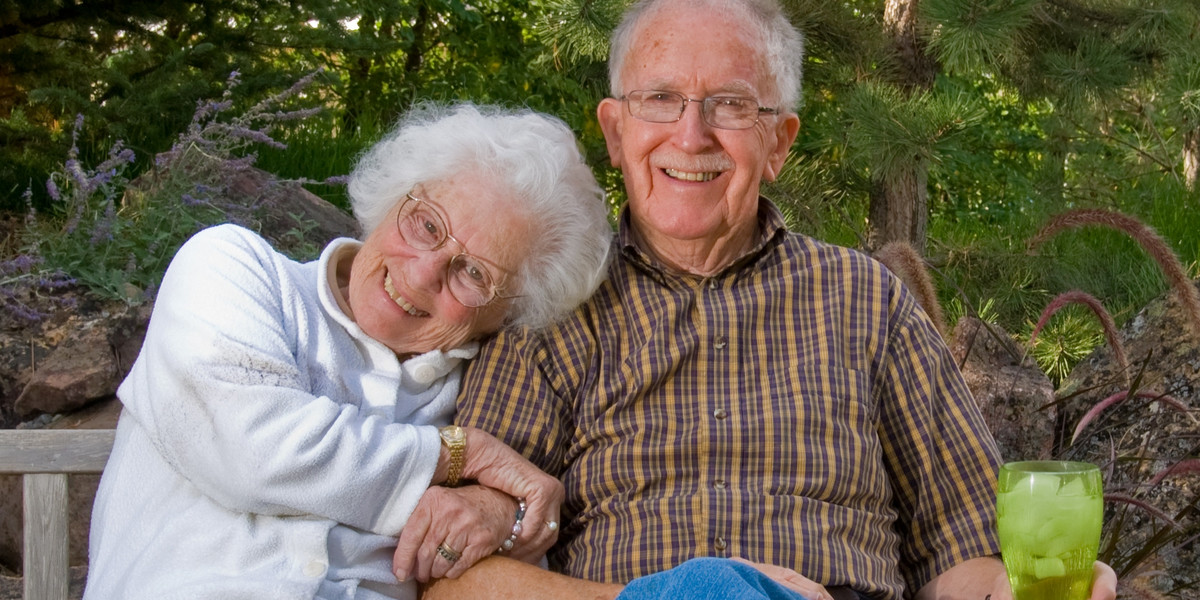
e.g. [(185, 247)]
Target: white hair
[(782, 43), (533, 157)]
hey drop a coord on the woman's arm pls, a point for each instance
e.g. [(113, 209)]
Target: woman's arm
[(222, 389)]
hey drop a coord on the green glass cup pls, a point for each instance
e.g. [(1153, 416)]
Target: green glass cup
[(1049, 514)]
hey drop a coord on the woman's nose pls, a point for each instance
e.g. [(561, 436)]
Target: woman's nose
[(427, 270)]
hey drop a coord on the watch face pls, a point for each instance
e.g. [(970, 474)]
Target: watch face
[(452, 434)]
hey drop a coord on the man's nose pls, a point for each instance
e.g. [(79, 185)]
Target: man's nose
[(692, 131)]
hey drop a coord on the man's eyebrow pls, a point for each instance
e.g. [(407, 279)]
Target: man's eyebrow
[(732, 88)]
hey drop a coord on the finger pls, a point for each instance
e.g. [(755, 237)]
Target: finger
[(428, 554), (404, 560), (541, 525), (791, 580), (1104, 586), (478, 546), (448, 554), (538, 536)]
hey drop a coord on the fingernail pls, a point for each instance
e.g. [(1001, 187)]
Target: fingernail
[(401, 576)]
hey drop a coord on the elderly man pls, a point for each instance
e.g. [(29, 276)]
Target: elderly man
[(736, 390)]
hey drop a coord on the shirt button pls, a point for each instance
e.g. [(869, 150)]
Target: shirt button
[(720, 544), (425, 374), (720, 484), (314, 568), (720, 342), (712, 284), (721, 414)]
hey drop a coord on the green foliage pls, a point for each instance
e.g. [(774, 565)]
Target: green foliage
[(1070, 336), (892, 132), (973, 36), (578, 32)]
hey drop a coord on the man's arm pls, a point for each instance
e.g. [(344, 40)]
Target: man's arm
[(979, 578), (500, 578)]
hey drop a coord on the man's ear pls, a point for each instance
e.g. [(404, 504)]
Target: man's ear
[(609, 113), (785, 131)]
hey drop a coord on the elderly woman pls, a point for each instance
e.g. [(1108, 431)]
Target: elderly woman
[(284, 419)]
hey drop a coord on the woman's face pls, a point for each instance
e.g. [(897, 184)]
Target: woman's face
[(403, 296)]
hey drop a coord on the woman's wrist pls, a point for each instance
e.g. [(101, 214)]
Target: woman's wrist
[(453, 455)]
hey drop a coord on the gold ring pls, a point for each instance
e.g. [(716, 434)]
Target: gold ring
[(448, 553)]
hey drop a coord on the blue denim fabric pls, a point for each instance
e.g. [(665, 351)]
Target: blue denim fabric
[(708, 579)]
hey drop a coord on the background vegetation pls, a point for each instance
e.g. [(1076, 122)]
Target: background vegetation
[(957, 125)]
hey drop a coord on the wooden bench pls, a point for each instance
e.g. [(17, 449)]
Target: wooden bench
[(45, 458)]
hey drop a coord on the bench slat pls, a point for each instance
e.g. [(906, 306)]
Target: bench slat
[(46, 567), (54, 450)]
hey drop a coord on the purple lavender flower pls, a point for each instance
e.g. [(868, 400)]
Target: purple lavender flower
[(52, 189)]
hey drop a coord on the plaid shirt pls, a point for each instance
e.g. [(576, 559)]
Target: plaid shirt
[(797, 409)]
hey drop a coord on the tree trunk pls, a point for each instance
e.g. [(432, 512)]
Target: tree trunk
[(1191, 158), (898, 201), (899, 210)]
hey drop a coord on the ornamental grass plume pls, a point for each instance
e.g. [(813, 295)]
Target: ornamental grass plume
[(1144, 506), (1190, 466), (1145, 236), (1106, 323), (1122, 396), (903, 260)]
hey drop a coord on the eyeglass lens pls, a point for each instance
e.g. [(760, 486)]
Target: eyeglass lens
[(724, 112), (423, 228)]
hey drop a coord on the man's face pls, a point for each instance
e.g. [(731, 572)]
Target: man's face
[(691, 184)]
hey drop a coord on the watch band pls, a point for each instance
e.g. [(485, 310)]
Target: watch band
[(455, 440)]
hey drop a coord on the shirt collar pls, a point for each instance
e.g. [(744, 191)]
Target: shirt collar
[(771, 228)]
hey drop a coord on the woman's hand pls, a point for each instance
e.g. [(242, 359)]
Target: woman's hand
[(493, 464), (791, 580), (472, 521)]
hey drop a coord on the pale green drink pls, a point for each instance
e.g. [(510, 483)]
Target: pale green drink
[(1049, 515)]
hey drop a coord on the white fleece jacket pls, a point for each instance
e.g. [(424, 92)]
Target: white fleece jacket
[(262, 430)]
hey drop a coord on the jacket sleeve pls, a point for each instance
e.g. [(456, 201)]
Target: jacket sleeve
[(220, 390)]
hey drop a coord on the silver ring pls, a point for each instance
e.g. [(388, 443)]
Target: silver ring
[(552, 525), (448, 553)]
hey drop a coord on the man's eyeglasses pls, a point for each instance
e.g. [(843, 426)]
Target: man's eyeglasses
[(722, 112), (421, 226)]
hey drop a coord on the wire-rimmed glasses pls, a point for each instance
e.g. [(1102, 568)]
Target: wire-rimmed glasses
[(422, 226), (722, 112)]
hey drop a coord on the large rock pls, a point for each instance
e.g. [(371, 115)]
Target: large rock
[(1135, 439), (1015, 397), (88, 364)]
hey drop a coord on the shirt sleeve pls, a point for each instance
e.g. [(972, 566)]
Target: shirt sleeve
[(220, 390), (939, 452), (512, 391)]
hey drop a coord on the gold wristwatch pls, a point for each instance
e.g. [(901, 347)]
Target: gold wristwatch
[(455, 440)]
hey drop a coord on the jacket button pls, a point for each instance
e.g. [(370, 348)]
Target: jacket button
[(314, 568)]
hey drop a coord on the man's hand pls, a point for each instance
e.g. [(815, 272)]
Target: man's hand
[(1104, 584), (978, 578), (791, 580)]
